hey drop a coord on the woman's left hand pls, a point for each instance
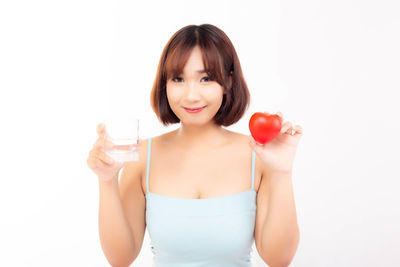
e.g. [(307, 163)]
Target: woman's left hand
[(278, 154)]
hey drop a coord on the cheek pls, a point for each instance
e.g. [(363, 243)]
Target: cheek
[(216, 93), (173, 94)]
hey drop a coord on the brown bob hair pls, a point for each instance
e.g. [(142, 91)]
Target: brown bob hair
[(220, 61)]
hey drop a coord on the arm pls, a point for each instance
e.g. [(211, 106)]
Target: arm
[(276, 230), (279, 233), (115, 234), (122, 213)]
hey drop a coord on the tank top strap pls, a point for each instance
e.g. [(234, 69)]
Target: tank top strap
[(253, 163), (148, 166)]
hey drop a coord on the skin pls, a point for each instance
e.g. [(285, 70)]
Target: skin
[(183, 167), (193, 89), (227, 170), (189, 146)]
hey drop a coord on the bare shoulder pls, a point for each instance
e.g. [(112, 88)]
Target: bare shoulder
[(144, 146), (243, 144), (133, 171), (239, 140), (138, 168), (237, 137), (143, 151)]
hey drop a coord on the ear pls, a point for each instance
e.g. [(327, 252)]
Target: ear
[(230, 80)]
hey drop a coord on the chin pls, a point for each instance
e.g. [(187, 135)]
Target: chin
[(188, 120), (194, 122), (202, 118)]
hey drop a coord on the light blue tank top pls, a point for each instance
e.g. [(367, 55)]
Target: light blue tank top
[(212, 232)]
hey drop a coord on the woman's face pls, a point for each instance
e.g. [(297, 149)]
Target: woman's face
[(194, 89)]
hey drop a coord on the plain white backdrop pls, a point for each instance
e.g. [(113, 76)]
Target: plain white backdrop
[(330, 66)]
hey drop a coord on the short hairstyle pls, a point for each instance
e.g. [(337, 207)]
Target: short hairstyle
[(220, 61)]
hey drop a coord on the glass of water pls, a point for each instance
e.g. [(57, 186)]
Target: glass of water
[(124, 134)]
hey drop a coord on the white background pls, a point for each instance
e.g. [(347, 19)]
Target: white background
[(330, 66)]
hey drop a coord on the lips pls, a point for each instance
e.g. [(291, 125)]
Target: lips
[(197, 109)]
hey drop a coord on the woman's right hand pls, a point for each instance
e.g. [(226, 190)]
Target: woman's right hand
[(104, 166)]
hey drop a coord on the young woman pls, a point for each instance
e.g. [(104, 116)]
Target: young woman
[(205, 193)]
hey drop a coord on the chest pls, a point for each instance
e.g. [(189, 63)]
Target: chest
[(185, 174)]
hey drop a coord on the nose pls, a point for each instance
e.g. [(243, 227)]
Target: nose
[(192, 91)]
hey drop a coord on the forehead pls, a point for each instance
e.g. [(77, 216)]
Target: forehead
[(195, 60)]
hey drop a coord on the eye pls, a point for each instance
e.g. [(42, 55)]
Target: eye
[(176, 79), (208, 79)]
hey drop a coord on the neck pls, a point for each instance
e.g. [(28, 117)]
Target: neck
[(199, 137)]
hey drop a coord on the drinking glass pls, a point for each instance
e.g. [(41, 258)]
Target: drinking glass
[(124, 134)]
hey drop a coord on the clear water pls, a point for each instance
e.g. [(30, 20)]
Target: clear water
[(124, 150)]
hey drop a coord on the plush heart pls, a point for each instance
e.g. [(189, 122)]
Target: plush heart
[(264, 127)]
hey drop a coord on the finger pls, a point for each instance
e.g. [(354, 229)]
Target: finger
[(256, 146), (107, 144), (103, 143), (100, 129), (253, 143), (286, 126), (280, 115), (91, 159), (298, 129), (289, 131), (98, 159), (251, 140), (106, 159), (99, 143)]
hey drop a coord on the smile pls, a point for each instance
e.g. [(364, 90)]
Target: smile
[(194, 110)]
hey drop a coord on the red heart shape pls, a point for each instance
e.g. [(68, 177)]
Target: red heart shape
[(264, 127)]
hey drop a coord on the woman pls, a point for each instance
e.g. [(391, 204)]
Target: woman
[(205, 193)]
